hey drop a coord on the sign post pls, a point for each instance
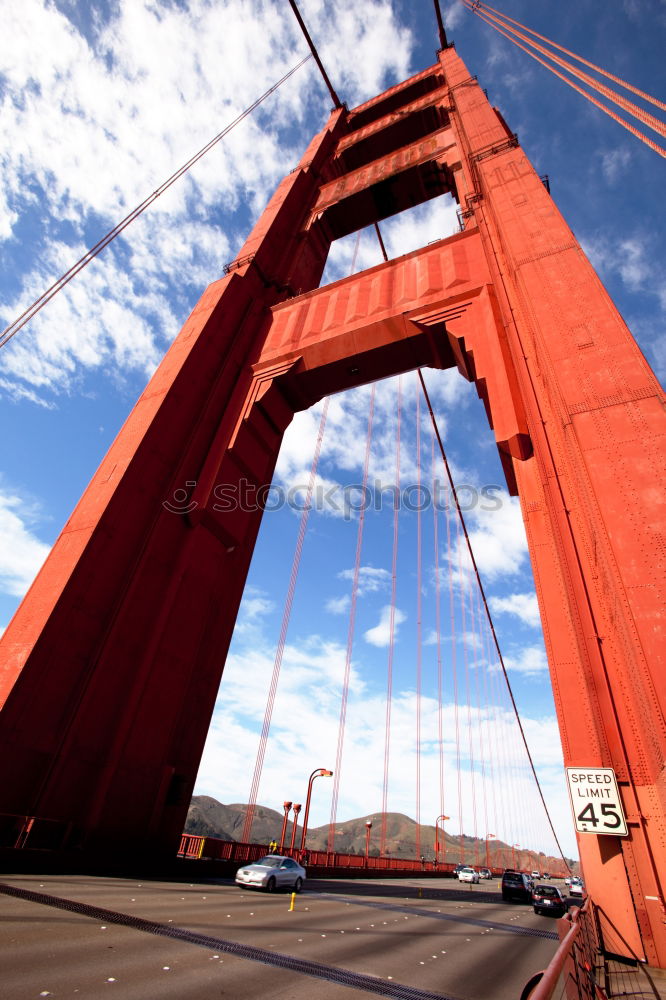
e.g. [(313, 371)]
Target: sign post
[(595, 801)]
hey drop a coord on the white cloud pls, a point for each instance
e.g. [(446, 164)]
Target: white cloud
[(496, 787), (530, 660), (498, 539), (338, 605), (21, 552), (370, 578), (380, 634), (523, 606), (614, 163), (453, 14), (87, 135)]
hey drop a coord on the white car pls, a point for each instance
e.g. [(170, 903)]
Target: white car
[(468, 875), (272, 872), (536, 875), (576, 887)]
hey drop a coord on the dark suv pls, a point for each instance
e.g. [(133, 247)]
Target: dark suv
[(517, 885)]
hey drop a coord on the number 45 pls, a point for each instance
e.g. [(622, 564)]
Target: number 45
[(608, 811)]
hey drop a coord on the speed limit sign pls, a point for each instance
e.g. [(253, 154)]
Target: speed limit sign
[(595, 800)]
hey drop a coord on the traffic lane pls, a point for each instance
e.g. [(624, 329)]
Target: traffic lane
[(62, 953), (52, 953), (405, 940), (473, 950)]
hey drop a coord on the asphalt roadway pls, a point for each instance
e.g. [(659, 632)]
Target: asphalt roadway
[(125, 939)]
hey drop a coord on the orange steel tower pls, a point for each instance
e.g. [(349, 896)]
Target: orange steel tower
[(111, 666)]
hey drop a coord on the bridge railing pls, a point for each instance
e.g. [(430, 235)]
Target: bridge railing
[(213, 849), (593, 962), (35, 832)]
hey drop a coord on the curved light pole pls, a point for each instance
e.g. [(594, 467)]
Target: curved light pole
[(489, 836), (368, 828), (442, 817), (297, 809), (319, 772), (286, 806)]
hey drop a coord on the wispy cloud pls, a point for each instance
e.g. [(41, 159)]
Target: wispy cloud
[(380, 634), (530, 661), (523, 606), (21, 551)]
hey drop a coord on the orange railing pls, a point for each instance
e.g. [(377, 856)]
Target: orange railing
[(212, 849), (593, 962), (36, 832)]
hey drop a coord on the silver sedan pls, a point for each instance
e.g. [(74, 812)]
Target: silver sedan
[(272, 872)]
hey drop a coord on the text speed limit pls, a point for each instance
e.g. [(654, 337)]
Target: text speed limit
[(595, 800)]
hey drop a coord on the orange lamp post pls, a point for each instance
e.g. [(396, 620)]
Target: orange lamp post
[(319, 772)]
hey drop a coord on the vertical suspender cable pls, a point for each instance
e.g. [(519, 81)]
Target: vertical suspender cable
[(461, 521), (254, 791), (389, 668), (493, 757), (419, 625), (438, 624), (478, 667), (350, 631), (465, 581), (454, 673)]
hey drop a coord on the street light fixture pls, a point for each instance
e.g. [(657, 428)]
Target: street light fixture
[(286, 806), (368, 828), (442, 817), (489, 836), (297, 809), (319, 772)]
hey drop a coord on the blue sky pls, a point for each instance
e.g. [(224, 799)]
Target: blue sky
[(100, 103)]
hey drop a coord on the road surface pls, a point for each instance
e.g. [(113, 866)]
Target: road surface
[(126, 939)]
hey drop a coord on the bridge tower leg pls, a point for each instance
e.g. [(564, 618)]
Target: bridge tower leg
[(111, 665)]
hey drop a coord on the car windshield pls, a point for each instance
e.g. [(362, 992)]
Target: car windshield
[(548, 890), (269, 862), (513, 877)]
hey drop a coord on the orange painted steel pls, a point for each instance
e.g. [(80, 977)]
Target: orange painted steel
[(111, 666)]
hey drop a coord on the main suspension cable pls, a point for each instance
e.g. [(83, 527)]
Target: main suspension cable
[(93, 252), (654, 123), (598, 69), (475, 8)]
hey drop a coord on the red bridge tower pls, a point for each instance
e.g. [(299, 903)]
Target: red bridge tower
[(111, 665)]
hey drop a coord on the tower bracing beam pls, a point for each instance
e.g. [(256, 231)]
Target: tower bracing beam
[(111, 665)]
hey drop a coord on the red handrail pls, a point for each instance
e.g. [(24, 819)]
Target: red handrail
[(545, 988)]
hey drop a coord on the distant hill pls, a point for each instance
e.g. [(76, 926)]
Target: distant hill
[(209, 818)]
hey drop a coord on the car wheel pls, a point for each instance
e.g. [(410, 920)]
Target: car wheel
[(298, 885), (270, 885), (505, 897)]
